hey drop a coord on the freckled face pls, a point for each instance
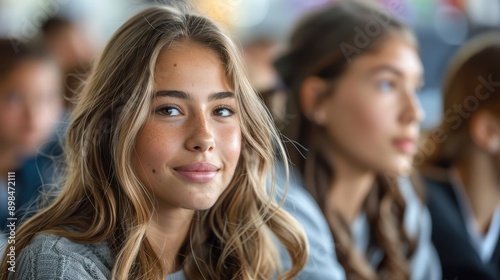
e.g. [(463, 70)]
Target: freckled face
[(187, 151)]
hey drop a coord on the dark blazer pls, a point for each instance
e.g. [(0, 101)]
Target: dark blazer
[(459, 259)]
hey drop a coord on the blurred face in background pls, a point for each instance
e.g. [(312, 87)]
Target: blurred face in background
[(373, 115), (71, 47), (30, 105)]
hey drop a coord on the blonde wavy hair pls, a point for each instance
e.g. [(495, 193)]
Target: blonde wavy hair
[(102, 198)]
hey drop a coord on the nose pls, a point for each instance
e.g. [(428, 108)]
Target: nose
[(412, 111), (200, 137)]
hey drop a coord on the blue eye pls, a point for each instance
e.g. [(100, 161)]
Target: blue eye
[(386, 85), (223, 111), (170, 111)]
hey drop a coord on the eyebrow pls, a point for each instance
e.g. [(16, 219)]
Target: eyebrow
[(395, 71), (220, 95), (172, 93), (385, 68), (184, 95)]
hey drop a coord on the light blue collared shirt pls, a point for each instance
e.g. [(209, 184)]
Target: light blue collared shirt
[(424, 263), (322, 263)]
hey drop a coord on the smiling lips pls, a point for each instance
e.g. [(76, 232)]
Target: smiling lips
[(198, 172)]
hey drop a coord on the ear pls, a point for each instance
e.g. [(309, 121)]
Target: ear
[(311, 91), (485, 131)]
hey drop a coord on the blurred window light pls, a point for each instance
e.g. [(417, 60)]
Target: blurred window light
[(484, 12), (235, 13), (249, 13), (451, 24)]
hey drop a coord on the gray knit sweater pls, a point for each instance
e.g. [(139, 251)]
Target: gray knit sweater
[(50, 257)]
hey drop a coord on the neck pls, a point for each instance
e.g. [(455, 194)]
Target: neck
[(350, 187), (166, 234), (479, 175)]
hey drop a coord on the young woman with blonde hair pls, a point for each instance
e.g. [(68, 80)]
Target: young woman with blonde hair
[(353, 74), (169, 152)]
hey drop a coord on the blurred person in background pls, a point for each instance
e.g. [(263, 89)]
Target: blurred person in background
[(462, 173), (353, 72), (259, 54), (73, 50), (30, 111)]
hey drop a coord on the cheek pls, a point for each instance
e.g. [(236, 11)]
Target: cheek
[(12, 121), (371, 119), (153, 149), (10, 116), (51, 114), (229, 142), (357, 118)]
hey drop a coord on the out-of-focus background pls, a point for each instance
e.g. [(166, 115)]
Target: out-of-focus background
[(261, 26)]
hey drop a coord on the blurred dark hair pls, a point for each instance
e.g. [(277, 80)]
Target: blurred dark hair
[(13, 52), (54, 25), (322, 45), (473, 75)]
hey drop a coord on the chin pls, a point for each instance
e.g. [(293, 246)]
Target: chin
[(403, 166), (200, 203), (29, 149), (405, 172), (397, 167)]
